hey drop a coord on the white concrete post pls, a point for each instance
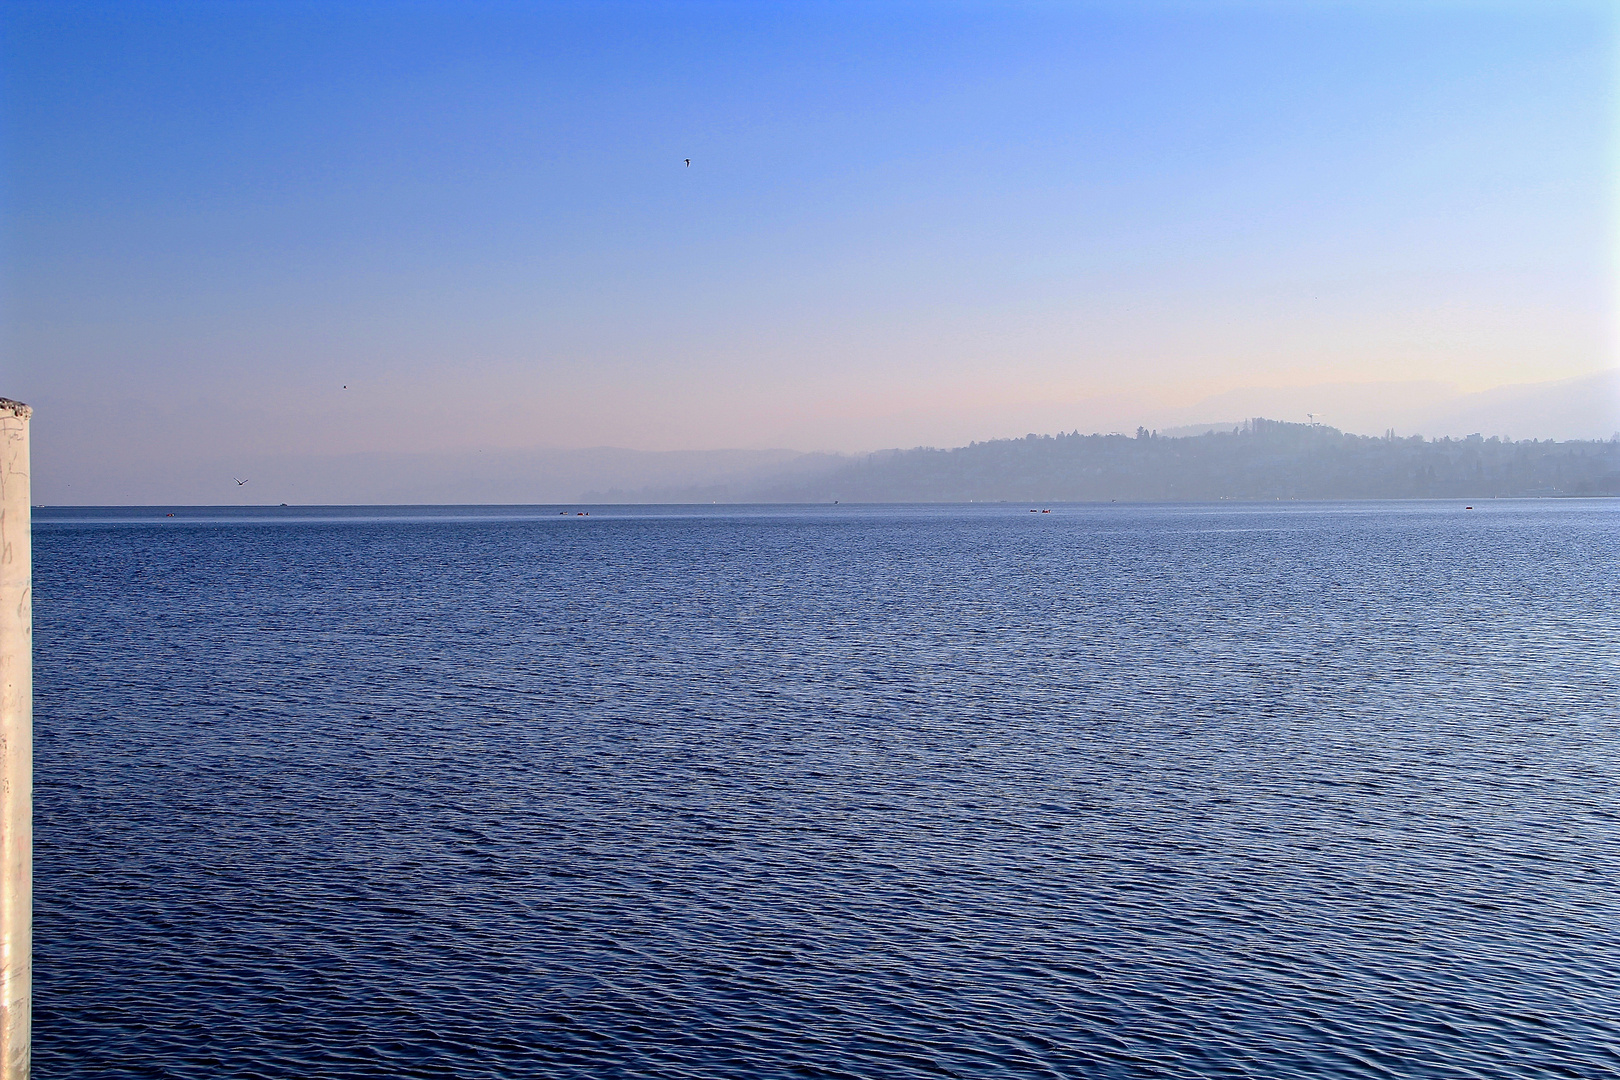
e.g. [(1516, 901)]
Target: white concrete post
[(16, 745)]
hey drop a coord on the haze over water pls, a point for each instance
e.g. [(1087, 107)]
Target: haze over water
[(1300, 790)]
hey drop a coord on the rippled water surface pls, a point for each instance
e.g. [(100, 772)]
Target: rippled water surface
[(1324, 790)]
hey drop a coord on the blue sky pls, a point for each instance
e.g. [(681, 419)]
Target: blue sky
[(902, 223)]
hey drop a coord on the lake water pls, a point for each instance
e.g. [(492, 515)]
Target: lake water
[(867, 792)]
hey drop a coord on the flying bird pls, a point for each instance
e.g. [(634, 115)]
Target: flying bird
[(688, 163), (239, 483)]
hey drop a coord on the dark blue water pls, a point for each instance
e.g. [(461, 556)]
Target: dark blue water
[(1316, 790)]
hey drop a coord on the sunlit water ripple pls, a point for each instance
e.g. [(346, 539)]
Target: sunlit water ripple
[(842, 792)]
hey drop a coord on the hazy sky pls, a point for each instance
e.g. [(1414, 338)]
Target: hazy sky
[(902, 223)]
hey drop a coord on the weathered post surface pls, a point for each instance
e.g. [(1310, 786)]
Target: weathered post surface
[(16, 745)]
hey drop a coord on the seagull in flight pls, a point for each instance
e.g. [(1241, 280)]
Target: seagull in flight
[(239, 483)]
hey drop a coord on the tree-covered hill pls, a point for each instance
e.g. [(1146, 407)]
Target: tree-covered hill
[(1264, 459)]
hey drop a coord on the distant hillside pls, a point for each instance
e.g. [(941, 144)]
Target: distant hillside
[(1587, 407), (1261, 459)]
